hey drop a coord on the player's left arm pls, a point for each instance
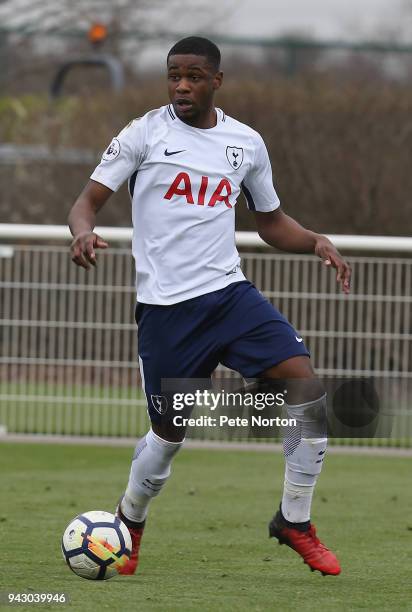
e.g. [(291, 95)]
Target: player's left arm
[(282, 232)]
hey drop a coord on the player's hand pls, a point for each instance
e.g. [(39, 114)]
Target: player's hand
[(331, 257), (82, 249)]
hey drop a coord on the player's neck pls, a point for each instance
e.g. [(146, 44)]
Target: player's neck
[(205, 121)]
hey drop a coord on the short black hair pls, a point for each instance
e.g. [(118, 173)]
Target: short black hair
[(196, 45)]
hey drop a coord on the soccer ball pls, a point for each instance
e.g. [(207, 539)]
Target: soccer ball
[(96, 545)]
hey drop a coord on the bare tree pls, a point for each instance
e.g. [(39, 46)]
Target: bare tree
[(35, 33)]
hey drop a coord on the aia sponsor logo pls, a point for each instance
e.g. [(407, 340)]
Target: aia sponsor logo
[(182, 186)]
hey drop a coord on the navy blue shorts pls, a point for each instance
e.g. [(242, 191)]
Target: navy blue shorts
[(235, 326)]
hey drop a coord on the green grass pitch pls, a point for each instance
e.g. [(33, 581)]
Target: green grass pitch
[(206, 545)]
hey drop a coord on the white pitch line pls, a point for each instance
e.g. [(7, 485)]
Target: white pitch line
[(199, 444)]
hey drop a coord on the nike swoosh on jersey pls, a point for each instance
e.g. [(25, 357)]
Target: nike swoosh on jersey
[(298, 339), (233, 270), (167, 153)]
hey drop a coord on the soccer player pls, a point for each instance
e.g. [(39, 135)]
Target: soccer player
[(186, 164)]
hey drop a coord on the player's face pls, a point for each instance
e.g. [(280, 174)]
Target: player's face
[(192, 83)]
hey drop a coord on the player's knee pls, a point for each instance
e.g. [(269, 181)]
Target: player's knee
[(167, 431), (309, 415), (299, 379)]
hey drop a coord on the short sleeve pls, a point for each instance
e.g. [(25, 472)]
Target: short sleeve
[(258, 183), (123, 156)]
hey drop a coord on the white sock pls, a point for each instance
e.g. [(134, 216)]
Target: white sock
[(297, 495), (305, 448), (151, 467)]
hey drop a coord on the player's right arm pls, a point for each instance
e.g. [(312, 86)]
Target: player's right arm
[(119, 161), (82, 220)]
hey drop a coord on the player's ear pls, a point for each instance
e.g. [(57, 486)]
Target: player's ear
[(218, 80)]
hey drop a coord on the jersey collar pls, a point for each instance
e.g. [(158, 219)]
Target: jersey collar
[(221, 118)]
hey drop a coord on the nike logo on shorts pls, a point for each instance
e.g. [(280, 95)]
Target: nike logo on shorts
[(167, 153), (298, 339)]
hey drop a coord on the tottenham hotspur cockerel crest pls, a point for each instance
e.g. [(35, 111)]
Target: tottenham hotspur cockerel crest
[(159, 403), (234, 156)]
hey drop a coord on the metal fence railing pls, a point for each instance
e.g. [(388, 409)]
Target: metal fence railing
[(68, 341)]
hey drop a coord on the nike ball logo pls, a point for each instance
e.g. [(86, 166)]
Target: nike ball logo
[(167, 153), (298, 339)]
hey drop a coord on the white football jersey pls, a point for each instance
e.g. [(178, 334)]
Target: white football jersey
[(184, 183)]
